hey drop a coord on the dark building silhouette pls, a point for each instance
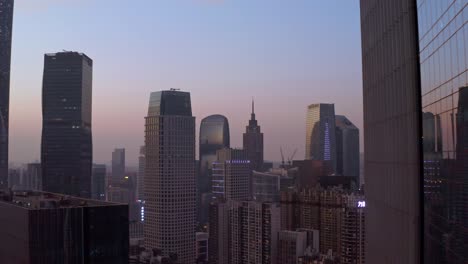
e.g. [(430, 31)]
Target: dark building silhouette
[(214, 135), (347, 148), (39, 227), (67, 149), (253, 142), (118, 163), (170, 187), (414, 63), (99, 182), (6, 24)]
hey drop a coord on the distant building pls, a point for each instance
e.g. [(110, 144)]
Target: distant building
[(118, 163), (98, 185), (353, 230), (231, 177), (32, 178), (309, 172), (253, 142), (141, 174), (214, 136), (170, 186), (267, 186), (67, 148), (201, 247), (53, 228), (347, 148), (14, 178), (6, 29), (245, 232), (320, 133)]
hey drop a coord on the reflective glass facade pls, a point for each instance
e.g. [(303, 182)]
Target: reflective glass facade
[(67, 150), (443, 47), (6, 20)]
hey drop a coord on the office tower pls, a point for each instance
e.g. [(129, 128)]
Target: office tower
[(320, 133), (98, 185), (214, 135), (414, 64), (32, 179), (141, 174), (253, 142), (353, 229), (291, 245), (118, 163), (53, 228), (170, 188), (231, 175), (243, 232), (201, 247), (347, 148), (6, 28), (267, 186), (67, 148)]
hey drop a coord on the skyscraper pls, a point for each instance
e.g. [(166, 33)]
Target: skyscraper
[(118, 163), (253, 142), (141, 174), (6, 27), (232, 175), (214, 135), (170, 188), (347, 148), (98, 184), (320, 133), (67, 148), (414, 57)]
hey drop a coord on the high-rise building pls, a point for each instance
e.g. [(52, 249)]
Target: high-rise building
[(414, 71), (98, 184), (244, 232), (32, 179), (267, 186), (141, 174), (39, 227), (118, 163), (201, 247), (6, 28), (291, 245), (253, 142), (214, 135), (347, 148), (353, 229), (231, 177), (320, 133), (67, 148), (170, 188)]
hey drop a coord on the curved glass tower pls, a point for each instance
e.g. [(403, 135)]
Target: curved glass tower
[(214, 135), (6, 20)]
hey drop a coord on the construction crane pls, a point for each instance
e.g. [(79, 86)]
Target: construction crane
[(282, 157)]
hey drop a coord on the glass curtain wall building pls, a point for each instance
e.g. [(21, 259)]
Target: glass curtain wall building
[(416, 130), (6, 22)]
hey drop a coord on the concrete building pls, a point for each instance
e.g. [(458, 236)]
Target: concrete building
[(267, 186), (201, 247), (170, 187), (347, 148), (231, 175), (320, 133), (98, 184), (353, 235), (253, 142), (44, 227), (291, 245), (118, 163), (6, 29), (67, 145)]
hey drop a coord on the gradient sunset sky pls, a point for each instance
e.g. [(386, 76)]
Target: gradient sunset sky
[(286, 54)]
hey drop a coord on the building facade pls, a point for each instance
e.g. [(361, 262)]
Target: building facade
[(170, 187), (347, 148), (53, 228), (267, 186), (291, 245), (6, 28), (253, 142), (32, 179), (67, 148), (118, 163), (415, 100), (320, 133), (141, 174), (98, 186), (353, 235), (214, 136)]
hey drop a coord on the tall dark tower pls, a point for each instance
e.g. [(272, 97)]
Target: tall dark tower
[(253, 142), (6, 22), (67, 147)]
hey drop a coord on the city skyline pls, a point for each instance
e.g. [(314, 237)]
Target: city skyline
[(312, 64)]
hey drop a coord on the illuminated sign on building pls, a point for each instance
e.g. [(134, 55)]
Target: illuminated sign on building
[(361, 204)]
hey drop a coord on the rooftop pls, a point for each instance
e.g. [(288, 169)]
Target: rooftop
[(35, 200)]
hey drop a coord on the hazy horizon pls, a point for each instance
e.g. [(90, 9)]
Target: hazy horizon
[(285, 56)]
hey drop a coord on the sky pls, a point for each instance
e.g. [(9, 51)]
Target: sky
[(285, 54)]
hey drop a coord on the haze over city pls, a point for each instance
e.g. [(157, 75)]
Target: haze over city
[(222, 52)]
